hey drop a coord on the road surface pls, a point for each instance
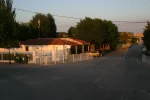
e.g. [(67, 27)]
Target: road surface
[(119, 75)]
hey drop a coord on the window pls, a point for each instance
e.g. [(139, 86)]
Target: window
[(27, 48)]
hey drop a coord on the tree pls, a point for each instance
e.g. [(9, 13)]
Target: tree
[(71, 31), (89, 29), (125, 36), (62, 35), (7, 24), (45, 24), (97, 31), (26, 32), (111, 34), (146, 38)]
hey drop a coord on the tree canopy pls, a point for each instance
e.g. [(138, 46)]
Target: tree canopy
[(124, 36), (26, 32), (147, 36), (62, 35), (97, 30), (71, 32), (45, 24), (7, 24)]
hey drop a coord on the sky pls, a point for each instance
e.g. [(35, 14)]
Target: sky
[(114, 10)]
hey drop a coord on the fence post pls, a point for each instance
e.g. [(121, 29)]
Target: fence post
[(55, 59), (46, 60), (145, 59), (63, 59), (1, 56), (73, 57), (40, 60)]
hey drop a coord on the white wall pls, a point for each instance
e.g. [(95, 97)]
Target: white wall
[(56, 50), (44, 47)]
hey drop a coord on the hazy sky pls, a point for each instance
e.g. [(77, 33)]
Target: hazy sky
[(115, 10)]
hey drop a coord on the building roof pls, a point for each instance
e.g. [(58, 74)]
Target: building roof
[(84, 42), (54, 41)]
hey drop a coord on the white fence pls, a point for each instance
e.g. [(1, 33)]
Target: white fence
[(46, 57), (48, 60), (145, 59)]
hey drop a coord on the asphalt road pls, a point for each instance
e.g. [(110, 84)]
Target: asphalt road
[(119, 75)]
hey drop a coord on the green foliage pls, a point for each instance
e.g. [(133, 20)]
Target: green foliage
[(62, 35), (26, 32), (125, 36), (97, 31), (7, 24), (21, 59), (111, 35), (134, 40), (45, 24), (71, 31), (146, 38)]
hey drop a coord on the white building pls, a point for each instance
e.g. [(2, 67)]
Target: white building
[(54, 47)]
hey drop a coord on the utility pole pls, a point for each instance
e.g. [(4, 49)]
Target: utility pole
[(39, 23)]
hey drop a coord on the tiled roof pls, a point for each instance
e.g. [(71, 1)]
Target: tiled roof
[(54, 41), (70, 43), (84, 42)]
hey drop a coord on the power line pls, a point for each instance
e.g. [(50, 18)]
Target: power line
[(79, 18), (44, 13)]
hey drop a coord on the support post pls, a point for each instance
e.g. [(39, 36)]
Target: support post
[(82, 48), (63, 59), (55, 60), (1, 56), (40, 60), (88, 48), (46, 61), (76, 48)]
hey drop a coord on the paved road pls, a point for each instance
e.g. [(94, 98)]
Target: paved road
[(117, 76)]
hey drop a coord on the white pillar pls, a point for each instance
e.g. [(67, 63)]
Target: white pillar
[(40, 60), (63, 59), (46, 60), (34, 57), (55, 60)]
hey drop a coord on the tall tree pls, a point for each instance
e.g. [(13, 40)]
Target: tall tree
[(26, 32), (7, 24), (97, 31), (147, 36), (111, 35), (90, 29), (45, 24), (71, 31), (62, 35)]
